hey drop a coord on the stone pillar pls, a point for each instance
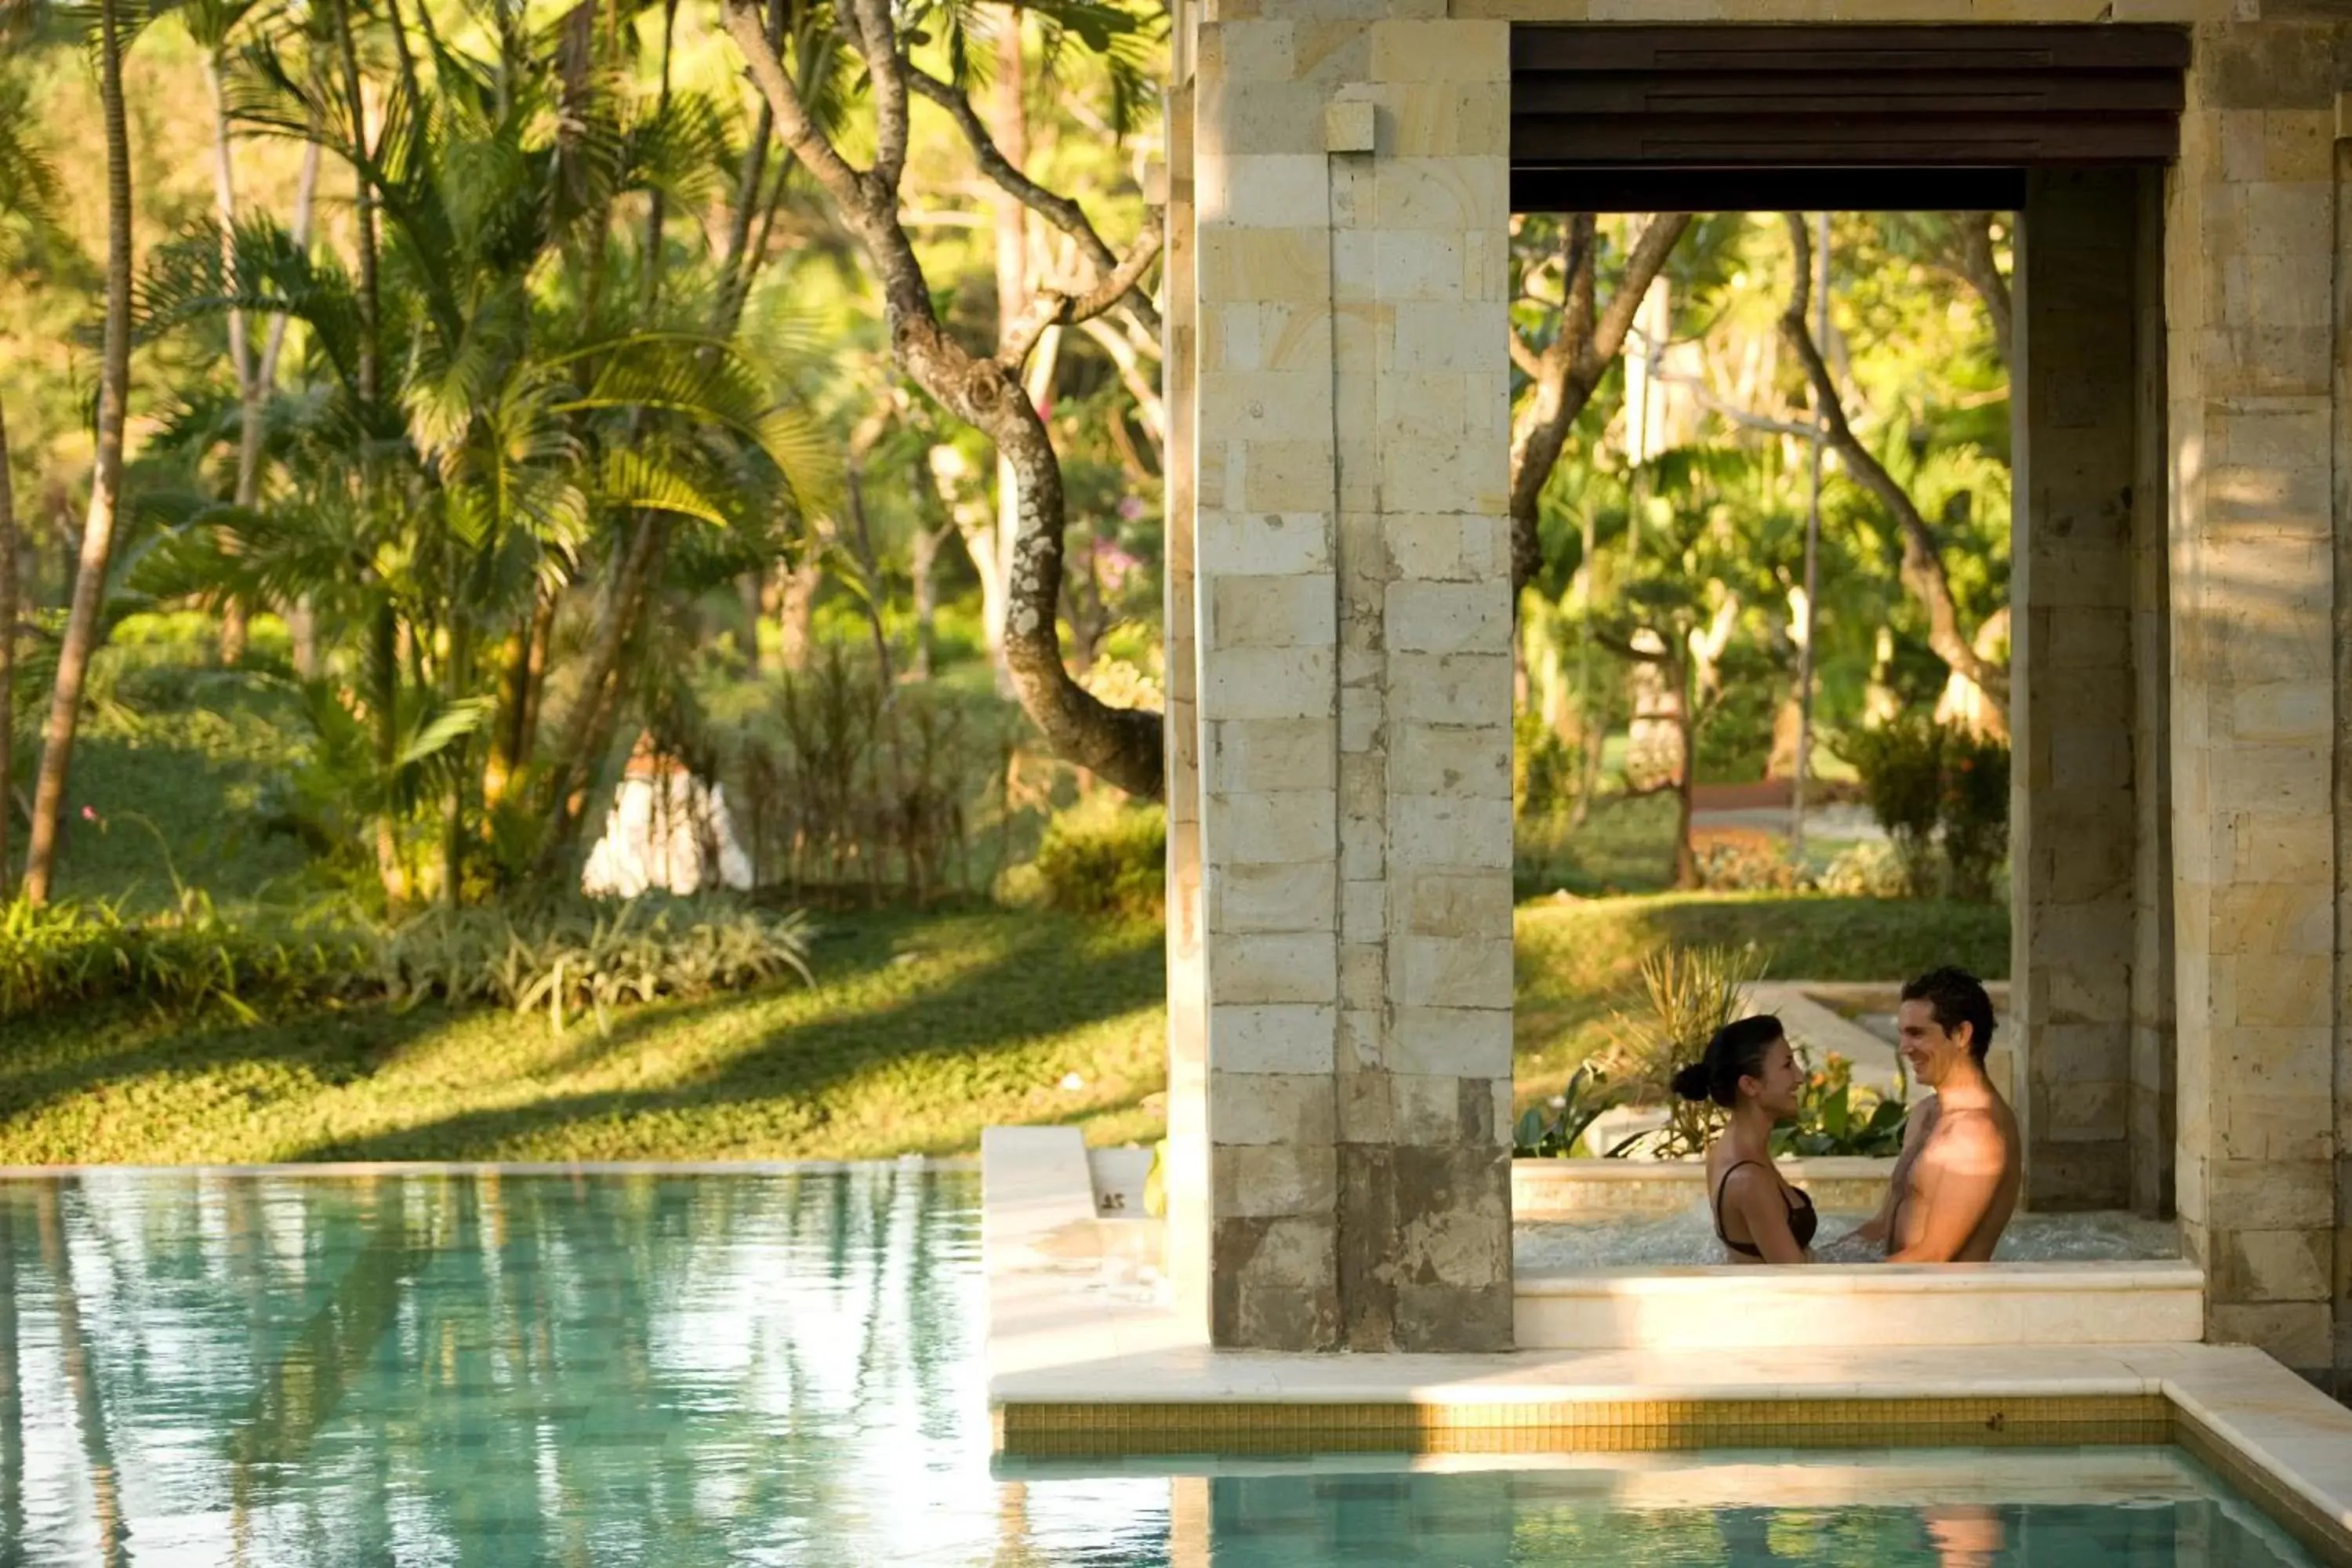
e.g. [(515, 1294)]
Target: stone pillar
[(2153, 1057), (2254, 359), (2075, 392), (1351, 189), (1184, 1177)]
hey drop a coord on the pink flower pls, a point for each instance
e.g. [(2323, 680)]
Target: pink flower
[(90, 813)]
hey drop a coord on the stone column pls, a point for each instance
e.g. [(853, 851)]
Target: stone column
[(2153, 1056), (2075, 392), (2255, 358), (1351, 189), (1184, 1177)]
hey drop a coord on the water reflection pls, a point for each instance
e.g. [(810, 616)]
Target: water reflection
[(688, 1370), (557, 1370)]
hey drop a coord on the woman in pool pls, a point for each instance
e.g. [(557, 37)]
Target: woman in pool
[(1749, 1071)]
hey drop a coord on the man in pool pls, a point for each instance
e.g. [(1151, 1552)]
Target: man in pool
[(1955, 1185)]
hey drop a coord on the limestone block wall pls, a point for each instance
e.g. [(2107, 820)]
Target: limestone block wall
[(2074, 826), (2256, 349), (1353, 619)]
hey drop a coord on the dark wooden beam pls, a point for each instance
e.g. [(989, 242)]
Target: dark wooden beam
[(1649, 189)]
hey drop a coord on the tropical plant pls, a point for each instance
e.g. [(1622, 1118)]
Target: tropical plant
[(508, 399), (1554, 1132), (1690, 993), (1835, 1119), (573, 958)]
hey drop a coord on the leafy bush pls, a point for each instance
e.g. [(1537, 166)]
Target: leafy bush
[(1833, 1121), (1974, 812), (1902, 767), (65, 953), (1582, 1103), (1106, 858), (1691, 992), (1545, 767), (579, 957), (1870, 870), (848, 781), (571, 959), (1748, 865)]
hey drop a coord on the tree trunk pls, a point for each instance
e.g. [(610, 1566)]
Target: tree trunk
[(106, 484), (926, 554), (234, 628), (8, 658), (796, 589), (750, 589), (1687, 776), (1923, 565), (588, 727), (1570, 368)]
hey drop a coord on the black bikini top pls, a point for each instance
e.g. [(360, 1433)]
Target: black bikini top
[(1802, 1220)]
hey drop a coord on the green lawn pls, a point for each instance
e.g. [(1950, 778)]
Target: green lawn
[(923, 1030)]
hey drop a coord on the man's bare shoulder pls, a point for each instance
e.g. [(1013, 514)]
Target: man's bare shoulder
[(1976, 1139)]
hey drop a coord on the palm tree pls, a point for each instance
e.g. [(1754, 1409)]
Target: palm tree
[(537, 429), (106, 484)]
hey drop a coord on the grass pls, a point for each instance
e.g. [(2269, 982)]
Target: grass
[(923, 1030)]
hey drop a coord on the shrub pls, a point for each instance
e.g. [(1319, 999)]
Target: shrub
[(579, 957), (1748, 865), (1832, 1121), (65, 953), (1901, 764), (1544, 767), (846, 780), (1106, 858), (1870, 870), (1974, 812), (1577, 1108), (570, 958), (1691, 993)]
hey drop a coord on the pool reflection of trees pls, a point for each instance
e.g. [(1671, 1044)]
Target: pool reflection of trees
[(404, 1368)]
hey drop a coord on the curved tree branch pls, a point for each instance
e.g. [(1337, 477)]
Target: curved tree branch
[(1061, 211), (1052, 307), (1123, 745), (1923, 563), (1983, 274), (1569, 371)]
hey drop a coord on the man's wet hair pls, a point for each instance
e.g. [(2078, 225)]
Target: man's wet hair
[(1956, 997)]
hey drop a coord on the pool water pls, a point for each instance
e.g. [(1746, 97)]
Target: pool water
[(1688, 1236), (752, 1369)]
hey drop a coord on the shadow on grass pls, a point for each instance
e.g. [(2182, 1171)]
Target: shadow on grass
[(1042, 985)]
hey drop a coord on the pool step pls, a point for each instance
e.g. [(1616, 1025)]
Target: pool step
[(1863, 1306)]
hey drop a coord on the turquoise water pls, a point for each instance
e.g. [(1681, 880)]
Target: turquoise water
[(740, 1369)]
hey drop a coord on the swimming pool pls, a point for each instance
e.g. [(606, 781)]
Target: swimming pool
[(784, 1369)]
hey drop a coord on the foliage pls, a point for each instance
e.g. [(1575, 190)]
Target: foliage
[(1571, 1112), (1108, 858), (1744, 865), (1902, 767), (1870, 870), (70, 953), (1834, 1120), (1690, 993), (1974, 812), (576, 957), (1545, 767), (844, 781)]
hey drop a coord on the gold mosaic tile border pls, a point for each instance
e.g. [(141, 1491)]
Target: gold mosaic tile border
[(2323, 1537), (1075, 1430)]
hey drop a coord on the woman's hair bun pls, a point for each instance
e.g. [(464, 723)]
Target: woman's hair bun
[(1693, 1082)]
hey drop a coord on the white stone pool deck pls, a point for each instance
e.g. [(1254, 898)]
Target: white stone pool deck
[(1070, 1324)]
